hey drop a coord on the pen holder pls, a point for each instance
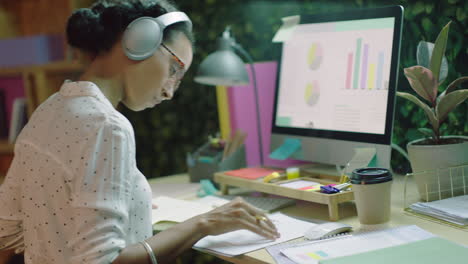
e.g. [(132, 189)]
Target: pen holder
[(203, 163)]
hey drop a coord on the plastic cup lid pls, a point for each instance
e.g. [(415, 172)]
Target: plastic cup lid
[(370, 176)]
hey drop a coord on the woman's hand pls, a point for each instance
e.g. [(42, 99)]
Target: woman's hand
[(235, 215)]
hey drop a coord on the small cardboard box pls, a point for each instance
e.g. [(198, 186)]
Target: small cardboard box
[(203, 163)]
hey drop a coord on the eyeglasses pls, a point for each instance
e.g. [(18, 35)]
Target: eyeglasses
[(177, 72)]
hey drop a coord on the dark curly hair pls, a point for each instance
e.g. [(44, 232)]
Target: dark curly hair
[(96, 29)]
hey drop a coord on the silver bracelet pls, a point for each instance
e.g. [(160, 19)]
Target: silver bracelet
[(150, 252)]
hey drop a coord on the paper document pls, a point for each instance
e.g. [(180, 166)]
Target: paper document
[(299, 184), (177, 210), (275, 252), (350, 245), (243, 241), (454, 210), (280, 258)]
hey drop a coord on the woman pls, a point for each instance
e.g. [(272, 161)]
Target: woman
[(73, 193)]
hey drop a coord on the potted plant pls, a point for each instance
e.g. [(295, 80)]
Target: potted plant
[(430, 155)]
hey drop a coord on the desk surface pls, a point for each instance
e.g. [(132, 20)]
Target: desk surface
[(178, 186)]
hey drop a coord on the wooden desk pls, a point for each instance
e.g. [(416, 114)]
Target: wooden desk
[(319, 212)]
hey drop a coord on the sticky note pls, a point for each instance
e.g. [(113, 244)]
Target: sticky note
[(298, 184), (314, 188), (289, 147), (292, 173), (314, 256), (286, 30)]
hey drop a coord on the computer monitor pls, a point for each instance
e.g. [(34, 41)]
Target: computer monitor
[(336, 85)]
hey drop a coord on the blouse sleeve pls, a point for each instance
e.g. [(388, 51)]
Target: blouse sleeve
[(100, 197), (11, 226)]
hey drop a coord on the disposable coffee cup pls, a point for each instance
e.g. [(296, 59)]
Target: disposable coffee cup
[(372, 194)]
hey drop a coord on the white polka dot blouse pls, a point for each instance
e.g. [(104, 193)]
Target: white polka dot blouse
[(73, 193)]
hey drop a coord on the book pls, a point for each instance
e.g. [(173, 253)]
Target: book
[(18, 118), (3, 115)]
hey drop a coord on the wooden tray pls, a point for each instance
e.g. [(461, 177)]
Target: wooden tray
[(332, 200)]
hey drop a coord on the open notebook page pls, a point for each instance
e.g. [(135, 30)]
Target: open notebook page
[(243, 241)]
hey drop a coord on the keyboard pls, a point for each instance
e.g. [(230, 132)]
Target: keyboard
[(268, 204)]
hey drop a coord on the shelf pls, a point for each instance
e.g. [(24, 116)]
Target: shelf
[(331, 200), (53, 67), (6, 147)]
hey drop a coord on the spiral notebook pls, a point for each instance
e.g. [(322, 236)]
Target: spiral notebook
[(314, 253)]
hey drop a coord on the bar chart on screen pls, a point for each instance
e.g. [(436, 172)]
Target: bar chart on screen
[(362, 73)]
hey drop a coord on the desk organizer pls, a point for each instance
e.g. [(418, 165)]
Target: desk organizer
[(202, 165), (446, 183), (331, 200)]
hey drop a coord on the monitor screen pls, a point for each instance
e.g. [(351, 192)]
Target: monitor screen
[(337, 77)]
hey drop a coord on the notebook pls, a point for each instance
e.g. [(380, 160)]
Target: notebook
[(313, 253), (428, 251)]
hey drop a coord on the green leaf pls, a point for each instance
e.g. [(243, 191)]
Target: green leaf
[(439, 51), (429, 7), (412, 134), (461, 14), (427, 24), (452, 86), (449, 102), (418, 8), (429, 112), (423, 57), (427, 132), (423, 54), (422, 81)]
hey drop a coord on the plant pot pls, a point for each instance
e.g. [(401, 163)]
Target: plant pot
[(430, 165)]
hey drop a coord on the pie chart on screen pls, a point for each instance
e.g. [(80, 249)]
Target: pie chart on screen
[(315, 56), (312, 93)]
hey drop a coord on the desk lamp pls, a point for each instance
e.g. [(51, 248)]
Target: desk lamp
[(224, 67)]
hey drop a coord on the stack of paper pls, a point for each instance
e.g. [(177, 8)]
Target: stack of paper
[(454, 210), (243, 241)]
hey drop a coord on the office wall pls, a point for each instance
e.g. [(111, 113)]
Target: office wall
[(167, 132)]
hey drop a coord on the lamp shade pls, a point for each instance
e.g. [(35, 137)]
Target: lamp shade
[(223, 67)]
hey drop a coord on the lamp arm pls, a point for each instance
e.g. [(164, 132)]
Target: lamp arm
[(244, 53)]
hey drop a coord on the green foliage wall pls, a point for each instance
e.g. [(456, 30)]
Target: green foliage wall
[(166, 133)]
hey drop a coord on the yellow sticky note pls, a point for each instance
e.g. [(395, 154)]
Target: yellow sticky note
[(313, 255)]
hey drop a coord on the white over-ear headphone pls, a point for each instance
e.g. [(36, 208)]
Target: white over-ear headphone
[(143, 35)]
